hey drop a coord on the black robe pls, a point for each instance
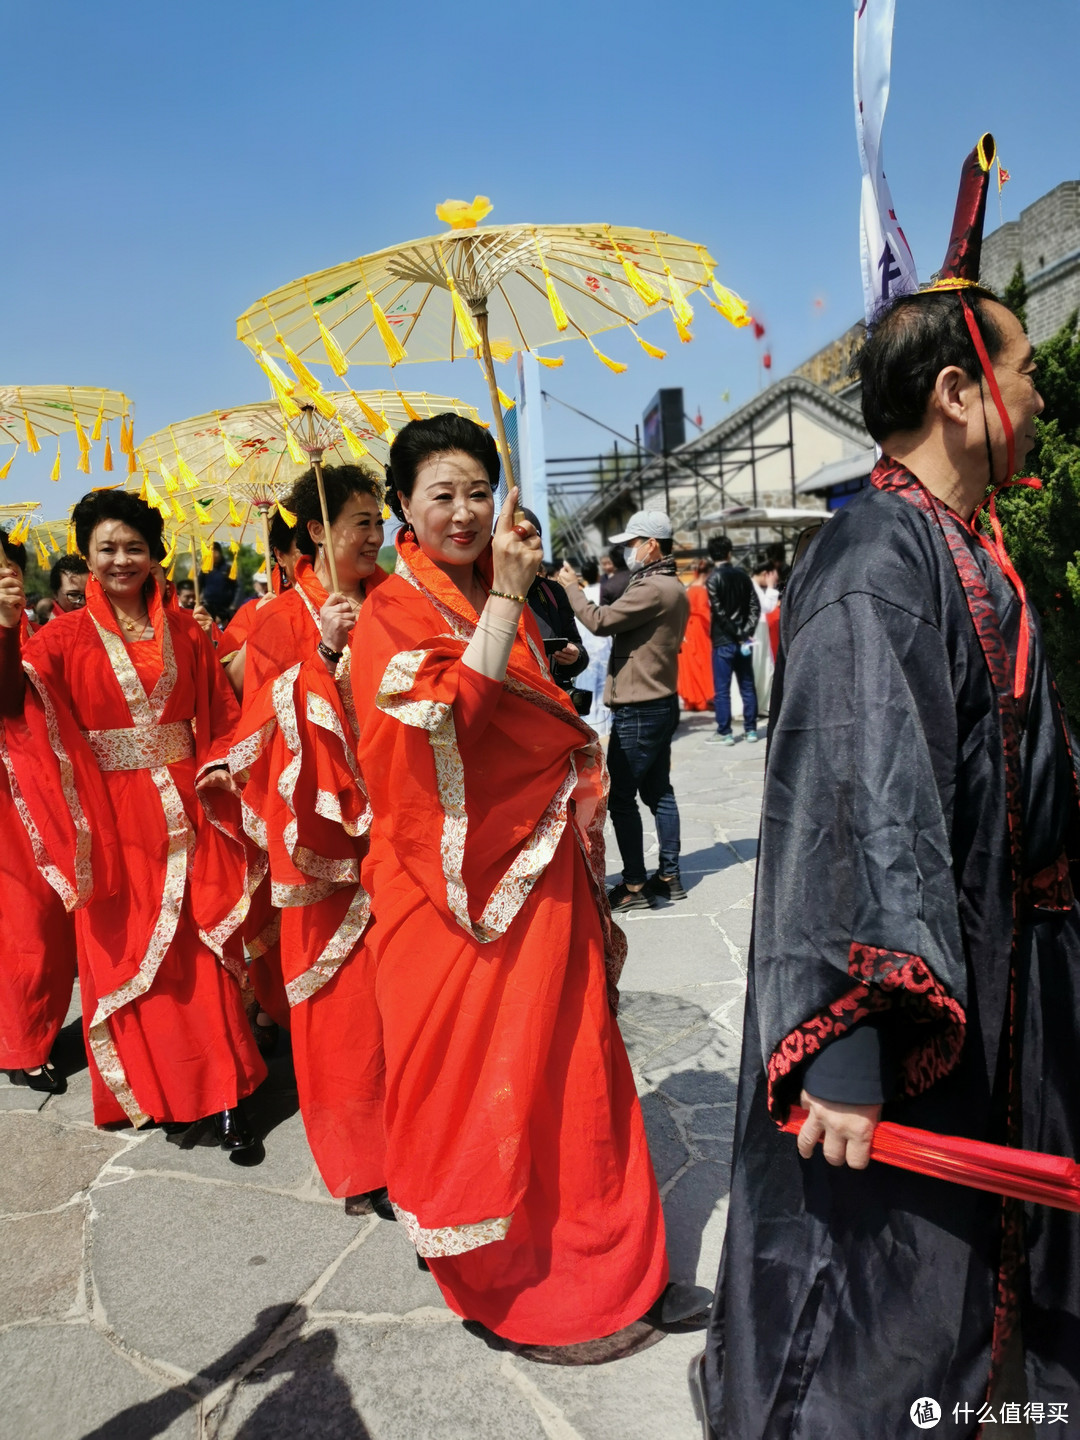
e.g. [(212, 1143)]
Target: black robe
[(912, 874)]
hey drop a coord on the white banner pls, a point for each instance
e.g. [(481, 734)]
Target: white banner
[(888, 268)]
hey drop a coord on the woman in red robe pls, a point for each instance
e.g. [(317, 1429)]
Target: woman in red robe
[(516, 1154), (125, 699), (37, 971), (695, 657), (295, 755)]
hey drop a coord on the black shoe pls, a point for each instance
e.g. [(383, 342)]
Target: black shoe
[(233, 1131), (371, 1202), (622, 899), (666, 887), (680, 1307), (47, 1081), (266, 1038)]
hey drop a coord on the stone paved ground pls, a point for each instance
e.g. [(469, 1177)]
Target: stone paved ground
[(148, 1290)]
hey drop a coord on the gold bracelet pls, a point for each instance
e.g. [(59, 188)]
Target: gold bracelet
[(502, 595)]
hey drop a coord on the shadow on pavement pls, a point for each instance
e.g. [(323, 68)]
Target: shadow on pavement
[(314, 1401)]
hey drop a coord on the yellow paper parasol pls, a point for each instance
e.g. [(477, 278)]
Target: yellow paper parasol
[(252, 454), (28, 412), (480, 291)]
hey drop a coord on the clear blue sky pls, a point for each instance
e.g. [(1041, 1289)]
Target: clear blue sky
[(167, 163)]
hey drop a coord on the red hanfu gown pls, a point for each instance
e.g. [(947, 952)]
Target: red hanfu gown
[(305, 804), (516, 1155), (37, 967), (695, 657), (159, 960)]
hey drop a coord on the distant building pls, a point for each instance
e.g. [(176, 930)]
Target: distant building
[(1045, 242)]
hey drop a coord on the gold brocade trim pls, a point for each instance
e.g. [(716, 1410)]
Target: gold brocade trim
[(320, 712), (452, 1239), (141, 747), (337, 951), (285, 897), (343, 681), (52, 875), (83, 836), (267, 937)]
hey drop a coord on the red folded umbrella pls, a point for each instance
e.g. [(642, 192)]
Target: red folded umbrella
[(1020, 1174)]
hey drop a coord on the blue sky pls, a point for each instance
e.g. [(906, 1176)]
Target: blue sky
[(168, 163)]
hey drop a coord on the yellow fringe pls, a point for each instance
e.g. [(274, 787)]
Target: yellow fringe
[(132, 463), (296, 455), (149, 494), (470, 336), (187, 475), (395, 351), (234, 568), (171, 482), (357, 448), (501, 350), (286, 515), (614, 365), (72, 548), (390, 434), (272, 370), (42, 555), (206, 562), (684, 334), (106, 459), (504, 399), (5, 469), (551, 362), (55, 473), (301, 371), (178, 509), (558, 314), (127, 435), (334, 352), (170, 553), (409, 411), (235, 518), (53, 546), (733, 307), (378, 423), (234, 460), (31, 435), (653, 350), (680, 306), (83, 462), (95, 433)]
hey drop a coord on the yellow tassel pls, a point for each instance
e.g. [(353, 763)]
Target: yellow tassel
[(234, 568), (395, 351), (72, 548), (31, 435), (680, 306), (235, 517), (95, 433), (5, 469), (171, 482), (289, 407), (286, 515), (80, 433), (202, 512), (558, 314), (551, 362), (106, 459), (272, 370), (83, 462), (142, 487), (296, 455), (207, 557), (234, 460), (334, 352), (385, 513), (132, 463), (504, 399), (53, 546), (149, 494), (653, 350), (55, 473), (127, 435), (178, 509), (42, 555), (390, 435), (412, 413), (733, 307), (187, 475), (378, 423), (606, 360), (170, 553), (500, 349), (470, 336), (357, 449), (170, 574), (684, 334), (302, 373)]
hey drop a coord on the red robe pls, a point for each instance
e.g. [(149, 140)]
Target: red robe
[(235, 634), (695, 657), (157, 930), (516, 1154), (37, 968), (304, 803)]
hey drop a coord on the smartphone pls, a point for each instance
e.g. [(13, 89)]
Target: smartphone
[(554, 644)]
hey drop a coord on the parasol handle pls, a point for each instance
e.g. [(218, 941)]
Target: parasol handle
[(195, 572), (496, 408), (328, 543), (267, 552)]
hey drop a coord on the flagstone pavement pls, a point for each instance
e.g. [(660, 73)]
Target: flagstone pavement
[(152, 1290)]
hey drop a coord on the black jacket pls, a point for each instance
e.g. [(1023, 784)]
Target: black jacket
[(735, 606), (548, 602)]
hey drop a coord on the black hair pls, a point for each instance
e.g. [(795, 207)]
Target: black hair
[(339, 482), (590, 572), (617, 558), (15, 553), (911, 342), (100, 505), (667, 544), (185, 583), (420, 439), (761, 563), (719, 548), (282, 533), (66, 565)]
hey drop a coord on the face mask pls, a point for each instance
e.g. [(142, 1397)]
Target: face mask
[(629, 554)]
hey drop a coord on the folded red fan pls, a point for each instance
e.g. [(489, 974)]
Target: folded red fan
[(1021, 1174)]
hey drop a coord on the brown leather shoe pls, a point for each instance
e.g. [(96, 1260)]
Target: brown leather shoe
[(631, 1339)]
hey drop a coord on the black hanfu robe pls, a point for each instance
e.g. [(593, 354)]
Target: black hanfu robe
[(914, 876)]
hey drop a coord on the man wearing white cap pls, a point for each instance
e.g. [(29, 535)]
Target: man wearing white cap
[(646, 623)]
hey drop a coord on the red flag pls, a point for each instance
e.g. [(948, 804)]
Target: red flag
[(766, 360), (1003, 176), (759, 329)]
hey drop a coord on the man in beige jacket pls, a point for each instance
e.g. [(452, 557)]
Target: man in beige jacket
[(646, 623)]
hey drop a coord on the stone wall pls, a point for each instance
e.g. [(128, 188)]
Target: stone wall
[(1046, 241)]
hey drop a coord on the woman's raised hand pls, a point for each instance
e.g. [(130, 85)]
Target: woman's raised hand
[(516, 550), (336, 620), (12, 598)]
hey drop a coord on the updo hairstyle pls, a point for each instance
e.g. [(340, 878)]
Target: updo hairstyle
[(420, 439), (120, 505)]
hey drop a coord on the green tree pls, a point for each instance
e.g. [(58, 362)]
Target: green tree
[(1042, 527), (1016, 295)]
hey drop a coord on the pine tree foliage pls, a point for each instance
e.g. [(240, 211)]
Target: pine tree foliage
[(1042, 527), (1016, 295)]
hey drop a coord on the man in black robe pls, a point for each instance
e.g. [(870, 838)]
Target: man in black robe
[(916, 948)]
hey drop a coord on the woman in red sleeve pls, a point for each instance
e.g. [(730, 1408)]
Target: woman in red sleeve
[(695, 658), (516, 1156), (37, 970), (295, 754), (124, 701)]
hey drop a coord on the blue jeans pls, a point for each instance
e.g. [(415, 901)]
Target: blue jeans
[(726, 661), (639, 762)]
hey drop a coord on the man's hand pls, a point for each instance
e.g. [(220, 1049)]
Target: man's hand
[(12, 599), (847, 1131), (567, 577), (567, 655)]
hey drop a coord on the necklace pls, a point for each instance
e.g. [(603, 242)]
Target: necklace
[(132, 625)]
